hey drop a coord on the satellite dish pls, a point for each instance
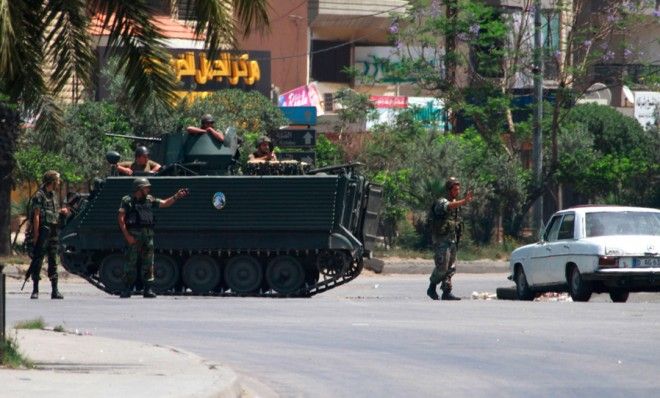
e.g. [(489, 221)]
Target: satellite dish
[(599, 93)]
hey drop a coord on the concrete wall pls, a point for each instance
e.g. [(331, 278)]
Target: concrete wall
[(287, 41)]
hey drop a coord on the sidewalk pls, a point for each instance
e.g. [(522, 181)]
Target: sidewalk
[(395, 265), (70, 365)]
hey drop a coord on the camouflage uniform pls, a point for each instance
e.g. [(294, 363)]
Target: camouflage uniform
[(140, 223), (48, 206), (445, 225)]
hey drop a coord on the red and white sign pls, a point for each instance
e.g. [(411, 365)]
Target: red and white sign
[(389, 101)]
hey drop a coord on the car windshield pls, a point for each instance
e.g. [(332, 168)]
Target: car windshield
[(622, 223)]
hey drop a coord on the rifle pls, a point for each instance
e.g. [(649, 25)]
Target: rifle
[(44, 232)]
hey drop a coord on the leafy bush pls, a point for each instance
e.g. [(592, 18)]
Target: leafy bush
[(608, 157)]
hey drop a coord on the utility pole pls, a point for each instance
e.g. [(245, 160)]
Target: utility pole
[(537, 139)]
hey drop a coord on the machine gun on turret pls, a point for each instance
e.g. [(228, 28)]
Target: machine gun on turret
[(135, 137)]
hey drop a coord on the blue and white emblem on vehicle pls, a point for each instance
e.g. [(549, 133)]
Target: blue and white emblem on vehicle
[(219, 200)]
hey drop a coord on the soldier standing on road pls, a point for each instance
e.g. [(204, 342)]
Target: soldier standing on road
[(136, 222), (207, 128), (445, 219), (142, 163), (44, 217)]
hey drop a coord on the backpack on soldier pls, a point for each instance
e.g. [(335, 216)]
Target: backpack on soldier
[(429, 223)]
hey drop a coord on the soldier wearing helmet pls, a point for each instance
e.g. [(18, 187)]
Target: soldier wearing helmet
[(44, 217), (445, 221), (264, 151), (141, 164), (136, 222), (206, 128)]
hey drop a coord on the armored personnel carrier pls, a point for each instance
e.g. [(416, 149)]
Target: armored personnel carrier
[(279, 230)]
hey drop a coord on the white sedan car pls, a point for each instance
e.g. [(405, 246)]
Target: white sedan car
[(592, 249)]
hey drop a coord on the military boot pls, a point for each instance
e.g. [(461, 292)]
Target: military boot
[(431, 292), (55, 293), (35, 290), (148, 293), (125, 294), (446, 295)]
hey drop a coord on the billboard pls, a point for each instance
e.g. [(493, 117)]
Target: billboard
[(199, 76)]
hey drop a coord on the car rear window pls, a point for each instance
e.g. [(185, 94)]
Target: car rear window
[(622, 223)]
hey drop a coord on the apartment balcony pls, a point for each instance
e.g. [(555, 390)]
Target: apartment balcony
[(353, 14)]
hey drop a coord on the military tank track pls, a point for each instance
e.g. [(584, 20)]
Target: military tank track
[(248, 273)]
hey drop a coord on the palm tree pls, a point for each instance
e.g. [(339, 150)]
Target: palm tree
[(35, 34)]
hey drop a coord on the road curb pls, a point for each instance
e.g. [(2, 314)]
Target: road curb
[(69, 364), (425, 266)]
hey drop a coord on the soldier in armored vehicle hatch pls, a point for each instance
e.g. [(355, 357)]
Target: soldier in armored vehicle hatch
[(142, 163), (207, 123), (264, 151), (136, 222)]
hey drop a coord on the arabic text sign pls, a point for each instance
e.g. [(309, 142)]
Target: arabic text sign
[(294, 138), (226, 66), (389, 101)]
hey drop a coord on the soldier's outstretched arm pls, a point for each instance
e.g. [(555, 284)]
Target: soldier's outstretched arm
[(181, 193)]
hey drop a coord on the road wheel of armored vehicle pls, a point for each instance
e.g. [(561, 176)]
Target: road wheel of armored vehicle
[(166, 273), (201, 274), (285, 274), (243, 274), (111, 272), (332, 264)]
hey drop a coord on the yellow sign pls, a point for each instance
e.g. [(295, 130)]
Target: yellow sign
[(226, 66)]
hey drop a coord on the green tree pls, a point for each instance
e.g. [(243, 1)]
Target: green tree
[(609, 157), (57, 32), (439, 40)]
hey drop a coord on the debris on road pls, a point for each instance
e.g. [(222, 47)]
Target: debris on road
[(484, 296)]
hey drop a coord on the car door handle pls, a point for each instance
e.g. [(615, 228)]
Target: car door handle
[(548, 249), (567, 247)]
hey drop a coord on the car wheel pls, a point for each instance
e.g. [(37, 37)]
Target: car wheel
[(579, 289), (523, 291), (619, 296)]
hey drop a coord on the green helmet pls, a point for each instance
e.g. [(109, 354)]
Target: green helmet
[(451, 181), (263, 139), (140, 183), (208, 118), (141, 150)]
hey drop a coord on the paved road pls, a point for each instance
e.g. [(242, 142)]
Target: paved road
[(381, 336)]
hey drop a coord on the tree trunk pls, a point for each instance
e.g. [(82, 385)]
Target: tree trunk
[(9, 121)]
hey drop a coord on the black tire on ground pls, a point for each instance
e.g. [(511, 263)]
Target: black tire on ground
[(619, 295), (579, 289), (506, 293), (523, 291)]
